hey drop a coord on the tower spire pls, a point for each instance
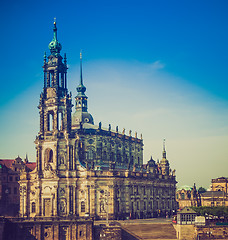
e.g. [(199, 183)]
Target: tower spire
[(81, 115), (81, 80), (81, 88), (164, 151)]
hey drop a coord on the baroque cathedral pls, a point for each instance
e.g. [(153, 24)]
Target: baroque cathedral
[(86, 170)]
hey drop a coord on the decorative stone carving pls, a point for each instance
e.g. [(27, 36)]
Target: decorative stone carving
[(102, 206), (49, 172), (61, 191), (62, 206)]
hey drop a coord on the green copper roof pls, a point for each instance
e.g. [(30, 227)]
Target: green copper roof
[(185, 187), (55, 46)]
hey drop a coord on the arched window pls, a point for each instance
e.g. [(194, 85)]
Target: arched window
[(60, 121), (82, 206), (50, 121), (126, 158), (90, 155), (118, 157), (33, 207), (104, 155), (112, 156), (52, 78), (49, 155), (189, 195)]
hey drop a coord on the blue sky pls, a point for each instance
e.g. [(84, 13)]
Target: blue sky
[(156, 67)]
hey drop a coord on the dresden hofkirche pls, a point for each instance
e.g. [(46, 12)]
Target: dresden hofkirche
[(86, 170)]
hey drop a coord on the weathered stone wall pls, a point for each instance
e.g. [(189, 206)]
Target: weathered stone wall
[(108, 233), (184, 232), (48, 229), (212, 232)]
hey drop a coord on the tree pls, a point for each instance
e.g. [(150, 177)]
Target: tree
[(202, 190)]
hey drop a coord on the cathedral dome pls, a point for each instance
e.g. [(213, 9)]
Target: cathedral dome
[(81, 117)]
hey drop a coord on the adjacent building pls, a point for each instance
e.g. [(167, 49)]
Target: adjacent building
[(187, 196), (217, 195), (9, 184)]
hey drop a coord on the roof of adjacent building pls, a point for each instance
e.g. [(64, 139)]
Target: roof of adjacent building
[(31, 165), (220, 179), (187, 210), (9, 163), (185, 187), (213, 194)]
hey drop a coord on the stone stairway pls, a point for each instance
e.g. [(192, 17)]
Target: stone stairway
[(151, 231)]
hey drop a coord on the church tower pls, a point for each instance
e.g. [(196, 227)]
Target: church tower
[(55, 102), (164, 163), (81, 114), (54, 107), (44, 192)]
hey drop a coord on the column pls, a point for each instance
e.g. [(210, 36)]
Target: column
[(111, 201), (127, 198), (68, 200), (92, 201), (89, 200)]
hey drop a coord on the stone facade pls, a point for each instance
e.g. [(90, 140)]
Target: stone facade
[(87, 170), (220, 184), (188, 197)]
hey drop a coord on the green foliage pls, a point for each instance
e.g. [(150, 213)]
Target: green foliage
[(214, 211), (202, 190)]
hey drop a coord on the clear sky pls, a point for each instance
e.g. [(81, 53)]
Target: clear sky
[(155, 67)]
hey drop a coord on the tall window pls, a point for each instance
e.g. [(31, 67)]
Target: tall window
[(50, 122), (112, 156), (90, 154), (52, 78), (137, 205), (33, 207), (118, 157), (60, 121), (104, 155), (49, 155), (82, 206)]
